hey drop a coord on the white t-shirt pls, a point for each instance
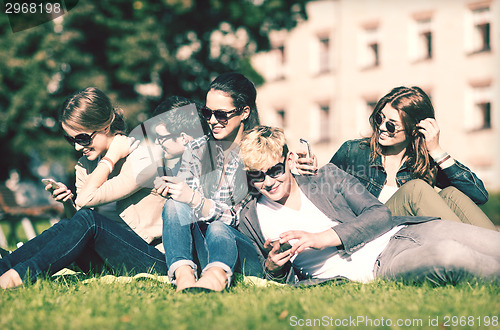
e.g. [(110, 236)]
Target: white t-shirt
[(275, 219)]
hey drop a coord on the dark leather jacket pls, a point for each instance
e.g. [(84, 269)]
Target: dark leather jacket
[(354, 158), (341, 198)]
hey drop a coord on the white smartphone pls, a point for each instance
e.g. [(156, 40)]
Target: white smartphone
[(307, 146), (52, 182)]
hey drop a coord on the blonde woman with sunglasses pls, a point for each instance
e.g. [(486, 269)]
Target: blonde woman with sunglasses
[(403, 161), (118, 222)]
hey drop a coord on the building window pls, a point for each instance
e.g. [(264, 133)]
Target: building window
[(370, 48), (479, 32), (365, 110), (277, 65), (281, 118), (478, 111), (483, 110), (482, 29), (324, 123), (324, 55), (421, 40)]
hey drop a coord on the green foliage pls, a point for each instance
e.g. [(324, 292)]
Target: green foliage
[(67, 303), (114, 45), (492, 208)]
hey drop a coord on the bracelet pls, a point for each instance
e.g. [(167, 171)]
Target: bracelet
[(437, 158), (192, 198), (194, 207), (443, 156), (108, 163), (199, 207), (109, 160), (443, 160)]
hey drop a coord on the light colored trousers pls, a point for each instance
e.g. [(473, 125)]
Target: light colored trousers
[(417, 197), (442, 252)]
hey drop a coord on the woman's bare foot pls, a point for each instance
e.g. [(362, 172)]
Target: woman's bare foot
[(214, 278), (184, 277), (10, 280)]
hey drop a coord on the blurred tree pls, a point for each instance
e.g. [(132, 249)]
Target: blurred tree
[(136, 51)]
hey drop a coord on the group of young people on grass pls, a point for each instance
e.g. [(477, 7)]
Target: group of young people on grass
[(199, 192)]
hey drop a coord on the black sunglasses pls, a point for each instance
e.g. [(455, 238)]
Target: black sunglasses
[(162, 138), (82, 139), (389, 125), (274, 172), (220, 115)]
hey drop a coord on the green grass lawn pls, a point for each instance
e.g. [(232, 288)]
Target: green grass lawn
[(68, 303)]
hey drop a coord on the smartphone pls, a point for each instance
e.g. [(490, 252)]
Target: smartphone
[(164, 171), (283, 247), (50, 181), (307, 146)]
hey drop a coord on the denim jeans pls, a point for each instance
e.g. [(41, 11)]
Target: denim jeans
[(442, 252), (188, 242), (88, 235)]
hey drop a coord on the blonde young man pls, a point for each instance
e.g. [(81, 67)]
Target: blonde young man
[(337, 229)]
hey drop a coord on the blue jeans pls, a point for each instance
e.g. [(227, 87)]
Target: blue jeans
[(87, 236), (442, 252), (188, 242)]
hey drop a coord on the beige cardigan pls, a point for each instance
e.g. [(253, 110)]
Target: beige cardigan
[(130, 186)]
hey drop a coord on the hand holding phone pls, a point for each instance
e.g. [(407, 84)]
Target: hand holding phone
[(306, 164), (283, 247), (63, 193), (307, 147), (51, 182)]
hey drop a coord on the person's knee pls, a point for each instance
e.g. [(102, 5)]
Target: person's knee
[(174, 211), (217, 227), (219, 230), (83, 214), (169, 208), (451, 193), (85, 217), (416, 185), (414, 190)]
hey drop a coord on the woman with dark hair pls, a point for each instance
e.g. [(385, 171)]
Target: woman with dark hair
[(125, 233), (402, 161), (200, 216)]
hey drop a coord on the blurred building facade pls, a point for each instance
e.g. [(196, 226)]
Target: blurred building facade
[(324, 77)]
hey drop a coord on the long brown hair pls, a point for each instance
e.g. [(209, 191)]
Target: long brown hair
[(413, 106), (91, 109)]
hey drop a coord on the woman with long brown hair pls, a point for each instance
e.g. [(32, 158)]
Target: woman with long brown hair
[(403, 161)]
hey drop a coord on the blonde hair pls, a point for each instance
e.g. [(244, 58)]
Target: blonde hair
[(262, 146)]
